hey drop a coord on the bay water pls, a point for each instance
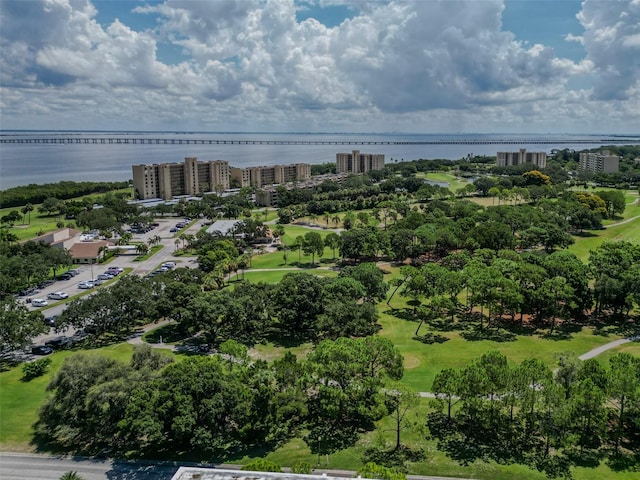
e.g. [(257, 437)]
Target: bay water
[(27, 163)]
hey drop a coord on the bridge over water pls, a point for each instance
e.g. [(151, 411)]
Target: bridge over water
[(193, 141)]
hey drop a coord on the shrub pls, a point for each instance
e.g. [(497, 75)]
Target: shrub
[(262, 465), (301, 467), (35, 369)]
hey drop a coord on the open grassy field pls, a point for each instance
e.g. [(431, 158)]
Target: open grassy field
[(274, 276), (41, 224), (455, 183), (627, 230)]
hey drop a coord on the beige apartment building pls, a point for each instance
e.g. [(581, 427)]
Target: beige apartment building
[(599, 162), (257, 177), (505, 159), (356, 162), (167, 180)]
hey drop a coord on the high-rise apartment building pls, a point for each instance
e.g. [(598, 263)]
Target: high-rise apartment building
[(257, 177), (599, 162), (505, 159), (167, 180), (356, 162)]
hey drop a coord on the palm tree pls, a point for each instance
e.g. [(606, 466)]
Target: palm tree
[(177, 243), (27, 209), (71, 475), (142, 249)]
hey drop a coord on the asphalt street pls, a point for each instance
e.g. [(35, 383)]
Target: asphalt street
[(44, 467)]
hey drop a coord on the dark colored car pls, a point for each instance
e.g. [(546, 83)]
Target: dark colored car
[(59, 342), (51, 321), (41, 350), (65, 276)]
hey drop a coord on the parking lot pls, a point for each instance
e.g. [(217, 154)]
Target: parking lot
[(88, 272)]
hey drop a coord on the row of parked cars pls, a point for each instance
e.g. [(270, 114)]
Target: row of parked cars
[(110, 273), (165, 267)]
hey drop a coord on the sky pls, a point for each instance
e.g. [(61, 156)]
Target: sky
[(410, 66)]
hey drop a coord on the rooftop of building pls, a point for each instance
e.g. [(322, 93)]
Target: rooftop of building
[(199, 473)]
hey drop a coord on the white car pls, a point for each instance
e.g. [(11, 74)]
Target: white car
[(105, 276), (57, 296), (86, 285), (39, 302)]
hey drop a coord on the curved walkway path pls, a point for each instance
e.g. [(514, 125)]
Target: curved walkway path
[(622, 222)]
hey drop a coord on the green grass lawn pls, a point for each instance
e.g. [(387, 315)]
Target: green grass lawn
[(455, 183), (276, 276), (629, 232)]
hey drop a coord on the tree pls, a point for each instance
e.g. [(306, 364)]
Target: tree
[(332, 240), (623, 389), (18, 325), (297, 302), (313, 245), (400, 400), (11, 217), (614, 200), (371, 278), (346, 381), (142, 248), (57, 258), (446, 386), (27, 209)]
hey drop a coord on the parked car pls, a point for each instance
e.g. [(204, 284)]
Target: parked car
[(174, 229), (57, 296), (39, 302), (58, 342), (169, 264), (41, 350), (74, 271), (86, 285), (65, 276), (105, 276), (46, 283), (96, 281), (50, 321), (116, 269), (26, 292)]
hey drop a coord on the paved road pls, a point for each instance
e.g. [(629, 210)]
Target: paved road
[(45, 467), (17, 466), (607, 346)]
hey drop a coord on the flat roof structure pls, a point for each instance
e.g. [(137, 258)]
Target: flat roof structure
[(199, 473), (224, 227)]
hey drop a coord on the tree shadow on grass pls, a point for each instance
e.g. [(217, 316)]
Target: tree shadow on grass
[(564, 331), (7, 363), (394, 458), (169, 333), (430, 338), (624, 462), (476, 333)]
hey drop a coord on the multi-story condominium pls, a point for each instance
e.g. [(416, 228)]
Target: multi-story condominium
[(257, 177), (504, 159), (356, 162), (599, 162), (167, 180)]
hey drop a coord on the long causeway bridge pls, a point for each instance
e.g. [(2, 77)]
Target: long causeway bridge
[(193, 141)]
